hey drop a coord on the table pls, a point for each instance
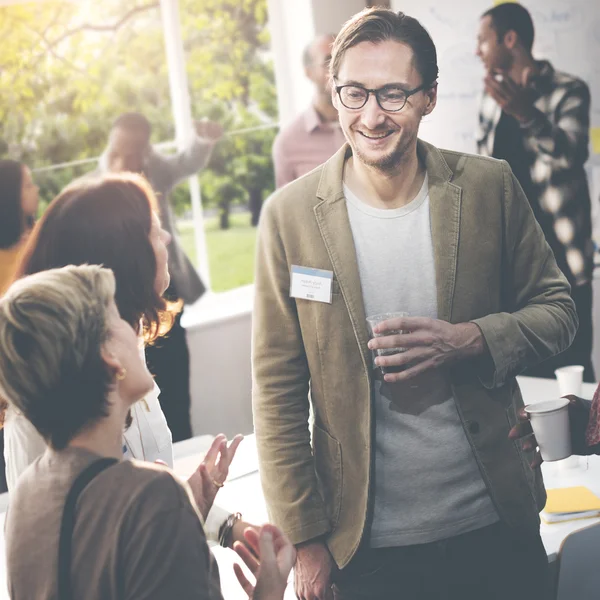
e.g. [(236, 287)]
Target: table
[(573, 471), (243, 493)]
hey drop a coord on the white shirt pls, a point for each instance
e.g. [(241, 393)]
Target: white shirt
[(148, 438)]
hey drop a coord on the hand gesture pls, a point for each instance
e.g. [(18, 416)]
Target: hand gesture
[(276, 557), (514, 99), (210, 475), (209, 130)]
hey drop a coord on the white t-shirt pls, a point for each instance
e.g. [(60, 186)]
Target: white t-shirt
[(427, 482)]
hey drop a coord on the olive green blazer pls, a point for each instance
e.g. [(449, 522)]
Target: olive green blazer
[(493, 267)]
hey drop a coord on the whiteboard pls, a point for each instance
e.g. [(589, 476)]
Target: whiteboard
[(567, 33)]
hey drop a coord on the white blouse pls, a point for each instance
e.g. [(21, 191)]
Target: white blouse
[(148, 438)]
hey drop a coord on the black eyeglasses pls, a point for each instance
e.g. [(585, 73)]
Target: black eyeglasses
[(390, 98)]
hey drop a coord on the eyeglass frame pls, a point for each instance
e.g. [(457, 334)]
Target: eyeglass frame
[(375, 92)]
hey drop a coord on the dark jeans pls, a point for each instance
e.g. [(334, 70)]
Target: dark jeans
[(492, 563), (580, 351), (169, 361)]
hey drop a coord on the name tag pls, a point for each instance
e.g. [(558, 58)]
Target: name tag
[(311, 284)]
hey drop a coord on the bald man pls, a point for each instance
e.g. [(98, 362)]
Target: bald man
[(314, 136)]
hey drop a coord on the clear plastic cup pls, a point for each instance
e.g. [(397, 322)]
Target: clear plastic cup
[(374, 320)]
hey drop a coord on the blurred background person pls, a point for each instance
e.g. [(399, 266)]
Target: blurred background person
[(18, 210), (538, 120), (119, 529), (113, 222), (314, 136), (129, 149)]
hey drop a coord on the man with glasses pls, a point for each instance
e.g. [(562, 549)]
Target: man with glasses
[(407, 485), (315, 135)]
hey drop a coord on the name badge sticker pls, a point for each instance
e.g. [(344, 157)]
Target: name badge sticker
[(311, 284)]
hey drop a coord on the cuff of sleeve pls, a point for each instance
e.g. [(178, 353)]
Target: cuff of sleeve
[(493, 369), (308, 532)]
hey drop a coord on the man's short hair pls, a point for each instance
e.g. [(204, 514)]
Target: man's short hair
[(511, 16), (133, 121), (52, 328), (378, 25), (307, 57)]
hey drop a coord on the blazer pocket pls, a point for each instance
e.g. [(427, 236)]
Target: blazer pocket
[(327, 454)]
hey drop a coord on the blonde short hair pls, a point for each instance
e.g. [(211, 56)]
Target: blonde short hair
[(52, 328)]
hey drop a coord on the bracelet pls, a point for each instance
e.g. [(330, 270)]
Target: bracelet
[(226, 528)]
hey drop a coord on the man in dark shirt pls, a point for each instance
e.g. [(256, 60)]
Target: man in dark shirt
[(537, 119)]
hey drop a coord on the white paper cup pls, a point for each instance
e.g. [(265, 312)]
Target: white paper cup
[(569, 380), (550, 423)]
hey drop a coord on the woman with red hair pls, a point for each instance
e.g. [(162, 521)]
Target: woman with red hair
[(113, 221)]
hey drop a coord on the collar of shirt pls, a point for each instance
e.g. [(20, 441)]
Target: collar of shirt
[(312, 121), (542, 81)]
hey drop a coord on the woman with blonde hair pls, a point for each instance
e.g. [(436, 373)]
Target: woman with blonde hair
[(112, 221), (118, 529)]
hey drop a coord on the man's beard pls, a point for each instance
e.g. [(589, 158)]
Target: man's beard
[(389, 162)]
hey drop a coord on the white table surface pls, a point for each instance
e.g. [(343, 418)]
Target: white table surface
[(242, 491), (573, 471)]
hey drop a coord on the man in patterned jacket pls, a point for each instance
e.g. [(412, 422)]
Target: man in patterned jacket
[(537, 119)]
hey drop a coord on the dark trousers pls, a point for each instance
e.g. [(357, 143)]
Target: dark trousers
[(169, 361), (492, 563), (580, 351)]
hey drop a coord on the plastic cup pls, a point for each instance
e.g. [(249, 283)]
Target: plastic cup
[(374, 320), (550, 424), (570, 380)]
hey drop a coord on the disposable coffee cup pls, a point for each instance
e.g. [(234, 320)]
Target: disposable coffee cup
[(550, 424), (374, 320), (570, 380)]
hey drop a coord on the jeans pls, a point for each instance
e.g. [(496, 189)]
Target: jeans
[(491, 563)]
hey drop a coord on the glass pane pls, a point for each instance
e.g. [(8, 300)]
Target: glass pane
[(230, 73), (67, 70)]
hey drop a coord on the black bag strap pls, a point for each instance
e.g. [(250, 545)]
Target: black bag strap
[(68, 524)]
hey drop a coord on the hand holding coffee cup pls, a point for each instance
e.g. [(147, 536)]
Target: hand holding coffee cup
[(544, 427), (550, 423)]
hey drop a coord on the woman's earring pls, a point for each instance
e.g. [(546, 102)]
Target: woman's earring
[(121, 374)]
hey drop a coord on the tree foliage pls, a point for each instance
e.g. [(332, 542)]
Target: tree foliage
[(68, 69)]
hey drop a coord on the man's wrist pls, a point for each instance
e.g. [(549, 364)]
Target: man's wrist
[(472, 340)]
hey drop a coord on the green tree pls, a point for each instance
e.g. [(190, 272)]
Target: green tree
[(67, 70)]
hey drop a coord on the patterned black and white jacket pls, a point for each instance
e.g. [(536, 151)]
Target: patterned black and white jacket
[(557, 142)]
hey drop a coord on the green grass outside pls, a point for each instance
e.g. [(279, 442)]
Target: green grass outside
[(230, 252)]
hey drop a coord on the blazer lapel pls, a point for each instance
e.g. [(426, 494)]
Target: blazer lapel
[(445, 205), (332, 218)]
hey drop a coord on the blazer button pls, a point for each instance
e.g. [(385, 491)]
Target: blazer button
[(473, 427)]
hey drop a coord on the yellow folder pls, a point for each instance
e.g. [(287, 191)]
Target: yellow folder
[(568, 504), (570, 500)]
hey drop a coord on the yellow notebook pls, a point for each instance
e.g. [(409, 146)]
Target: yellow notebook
[(566, 504)]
